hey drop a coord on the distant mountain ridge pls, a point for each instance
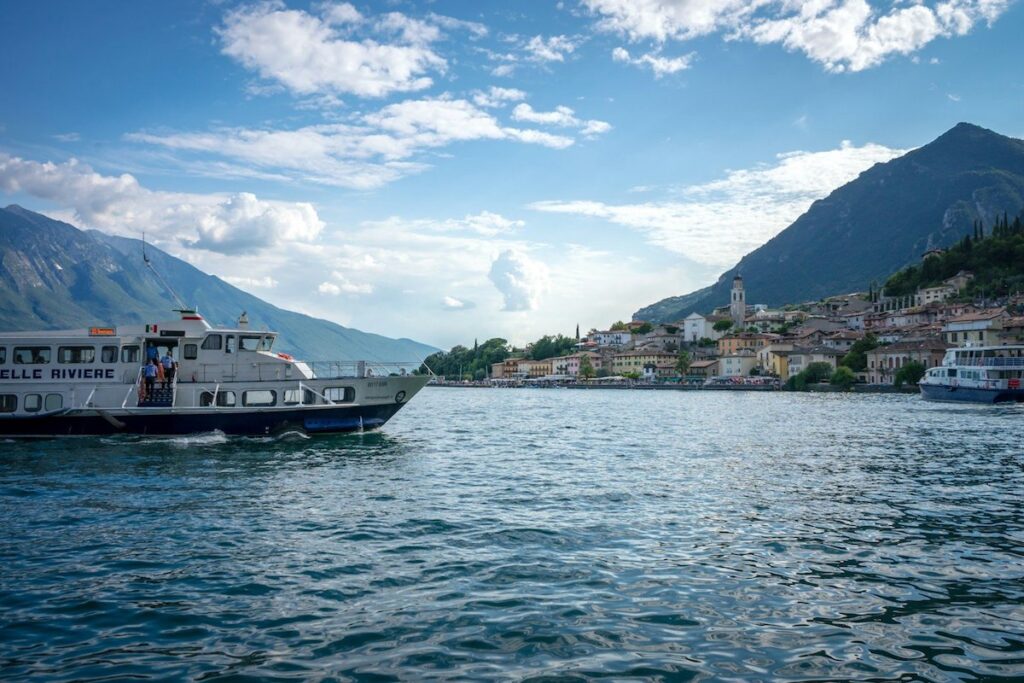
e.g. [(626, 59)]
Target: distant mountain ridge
[(876, 224), (53, 276)]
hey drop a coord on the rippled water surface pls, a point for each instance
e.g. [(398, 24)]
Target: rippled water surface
[(526, 534)]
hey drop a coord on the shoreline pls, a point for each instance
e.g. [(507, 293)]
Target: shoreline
[(820, 389)]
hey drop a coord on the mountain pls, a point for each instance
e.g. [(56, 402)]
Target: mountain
[(876, 224), (53, 276)]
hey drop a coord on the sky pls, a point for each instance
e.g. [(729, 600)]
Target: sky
[(452, 170)]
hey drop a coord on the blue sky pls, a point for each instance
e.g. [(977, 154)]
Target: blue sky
[(452, 170)]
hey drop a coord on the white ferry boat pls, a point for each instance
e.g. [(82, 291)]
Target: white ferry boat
[(978, 374), (92, 382)]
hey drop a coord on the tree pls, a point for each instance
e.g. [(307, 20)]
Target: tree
[(618, 326), (683, 362), (586, 368), (549, 347), (843, 377), (910, 373), (722, 325), (632, 374), (856, 359), (460, 361), (646, 328), (818, 372)]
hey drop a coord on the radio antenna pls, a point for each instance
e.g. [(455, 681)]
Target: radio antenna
[(145, 257)]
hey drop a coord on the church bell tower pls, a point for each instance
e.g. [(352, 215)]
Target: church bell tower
[(738, 304)]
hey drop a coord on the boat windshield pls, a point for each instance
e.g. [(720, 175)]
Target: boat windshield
[(267, 343)]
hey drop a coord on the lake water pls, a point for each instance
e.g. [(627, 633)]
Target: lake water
[(497, 534)]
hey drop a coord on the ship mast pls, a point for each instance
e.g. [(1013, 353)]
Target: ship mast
[(145, 257)]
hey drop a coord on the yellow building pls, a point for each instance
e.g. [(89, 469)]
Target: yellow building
[(637, 361), (734, 343), (774, 359)]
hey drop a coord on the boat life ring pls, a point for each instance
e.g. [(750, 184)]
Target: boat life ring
[(399, 397), (285, 356)]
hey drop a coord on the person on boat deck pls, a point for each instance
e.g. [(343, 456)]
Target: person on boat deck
[(169, 367), (151, 372), (152, 353)]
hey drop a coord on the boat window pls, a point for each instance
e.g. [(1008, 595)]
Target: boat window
[(76, 354), (129, 354), (267, 343), (340, 394), (212, 342), (8, 403), (54, 402), (206, 399), (191, 352), (229, 343), (226, 399), (109, 354), (261, 397), (292, 397), (951, 372), (31, 355), (3, 355), (33, 402), (248, 343)]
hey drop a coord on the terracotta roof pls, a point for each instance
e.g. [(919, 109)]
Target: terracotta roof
[(980, 315), (923, 345), (817, 350)]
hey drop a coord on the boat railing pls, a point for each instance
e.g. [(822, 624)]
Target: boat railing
[(211, 373), (330, 369), (995, 362)]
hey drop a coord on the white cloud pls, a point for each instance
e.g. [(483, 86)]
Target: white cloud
[(561, 116), (485, 223), (475, 29), (340, 14), (550, 49), (309, 54), (67, 137), (718, 222), (952, 97), (521, 280), (654, 61), (266, 282), (452, 304), (239, 223), (536, 51), (370, 151), (497, 97), (842, 35), (242, 223), (340, 284)]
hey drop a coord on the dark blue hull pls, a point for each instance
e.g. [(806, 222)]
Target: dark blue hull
[(934, 392), (240, 422)]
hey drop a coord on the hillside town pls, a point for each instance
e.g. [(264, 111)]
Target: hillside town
[(743, 344)]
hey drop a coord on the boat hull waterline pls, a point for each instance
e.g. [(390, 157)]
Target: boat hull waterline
[(960, 394), (165, 422)]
